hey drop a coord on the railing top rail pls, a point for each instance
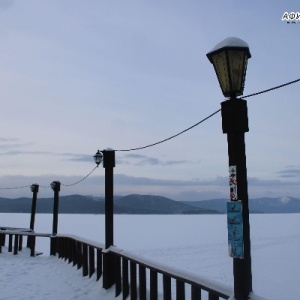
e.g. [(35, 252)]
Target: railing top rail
[(16, 228), (25, 233), (210, 286), (82, 240)]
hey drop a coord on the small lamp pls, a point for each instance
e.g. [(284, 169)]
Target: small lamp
[(98, 158)]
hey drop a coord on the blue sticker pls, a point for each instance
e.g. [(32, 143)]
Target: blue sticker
[(234, 218), (236, 249), (235, 232), (234, 206)]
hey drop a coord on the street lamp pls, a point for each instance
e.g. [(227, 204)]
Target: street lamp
[(98, 158), (230, 58)]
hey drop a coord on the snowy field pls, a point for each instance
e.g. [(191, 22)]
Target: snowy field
[(194, 243)]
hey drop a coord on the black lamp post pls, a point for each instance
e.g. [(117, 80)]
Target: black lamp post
[(108, 156), (55, 185), (35, 189), (229, 59)]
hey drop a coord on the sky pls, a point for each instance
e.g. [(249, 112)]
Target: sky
[(78, 76)]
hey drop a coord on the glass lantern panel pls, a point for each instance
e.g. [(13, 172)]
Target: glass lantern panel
[(98, 157), (219, 61), (237, 62)]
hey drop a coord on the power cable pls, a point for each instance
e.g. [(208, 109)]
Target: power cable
[(72, 184), (47, 186), (15, 187), (205, 119), (271, 89), (171, 137)]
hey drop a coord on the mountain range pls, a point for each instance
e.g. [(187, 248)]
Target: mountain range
[(145, 204)]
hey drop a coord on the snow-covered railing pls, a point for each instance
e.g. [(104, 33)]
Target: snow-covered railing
[(80, 252), (15, 239), (167, 273), (130, 272)]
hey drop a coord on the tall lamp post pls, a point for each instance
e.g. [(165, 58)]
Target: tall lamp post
[(229, 59), (55, 185), (108, 156), (35, 189)]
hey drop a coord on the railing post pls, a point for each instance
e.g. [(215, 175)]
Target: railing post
[(20, 242), (167, 287), (91, 260), (10, 242), (85, 270), (99, 263), (109, 269), (180, 290), (118, 276), (2, 238), (16, 244), (79, 254), (32, 245), (133, 293), (125, 281), (196, 293), (213, 297), (153, 285), (142, 282)]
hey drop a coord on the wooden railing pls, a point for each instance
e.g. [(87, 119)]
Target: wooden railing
[(130, 272), (15, 239)]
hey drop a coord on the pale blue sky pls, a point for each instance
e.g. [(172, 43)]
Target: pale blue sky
[(78, 76)]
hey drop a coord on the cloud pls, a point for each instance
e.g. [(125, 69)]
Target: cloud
[(14, 149), (290, 172), (78, 157), (10, 144), (143, 160)]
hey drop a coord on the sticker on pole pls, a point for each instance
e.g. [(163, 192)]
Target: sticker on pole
[(235, 229), (232, 183)]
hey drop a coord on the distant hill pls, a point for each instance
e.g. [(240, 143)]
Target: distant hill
[(67, 204), (77, 204), (145, 204), (148, 204)]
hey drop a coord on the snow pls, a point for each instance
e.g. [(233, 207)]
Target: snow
[(193, 244), (285, 199), (230, 42)]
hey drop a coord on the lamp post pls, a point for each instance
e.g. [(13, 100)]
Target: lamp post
[(108, 156), (229, 59), (35, 189), (55, 185)]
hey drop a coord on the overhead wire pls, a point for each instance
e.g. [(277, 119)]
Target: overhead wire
[(208, 117), (15, 187), (71, 184)]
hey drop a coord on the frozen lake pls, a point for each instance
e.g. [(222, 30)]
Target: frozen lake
[(194, 243)]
